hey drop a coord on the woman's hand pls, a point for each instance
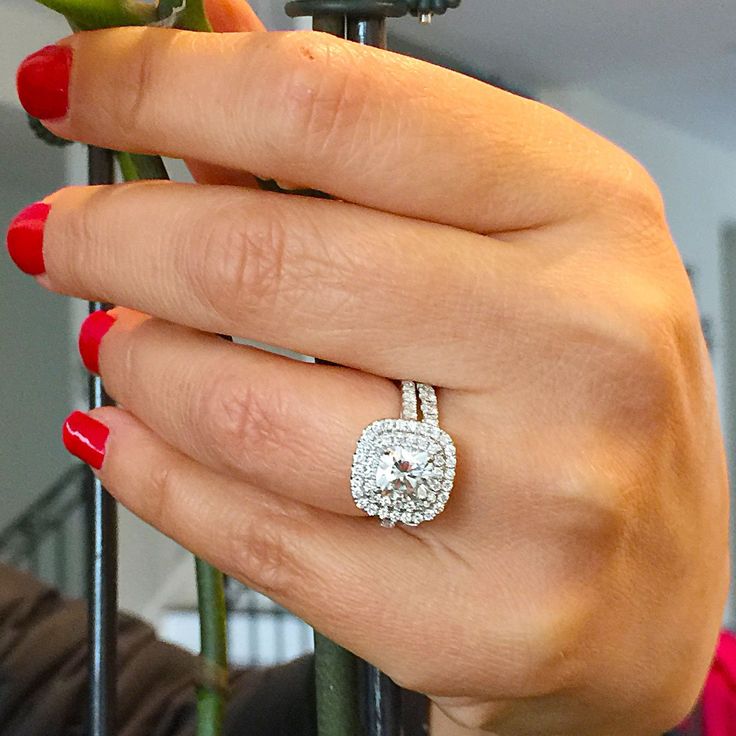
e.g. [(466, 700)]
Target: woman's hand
[(480, 242)]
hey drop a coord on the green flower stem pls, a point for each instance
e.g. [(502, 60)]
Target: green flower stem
[(212, 690), (337, 689), (135, 167), (213, 682)]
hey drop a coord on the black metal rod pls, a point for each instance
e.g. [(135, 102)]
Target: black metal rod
[(381, 702), (367, 31), (102, 623), (334, 24), (380, 696)]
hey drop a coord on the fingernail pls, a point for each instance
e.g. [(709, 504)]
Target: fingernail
[(85, 438), (42, 82), (25, 238), (93, 329)]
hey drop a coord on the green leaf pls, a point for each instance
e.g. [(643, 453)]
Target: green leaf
[(88, 15)]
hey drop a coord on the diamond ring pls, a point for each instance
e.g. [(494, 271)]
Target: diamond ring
[(404, 469)]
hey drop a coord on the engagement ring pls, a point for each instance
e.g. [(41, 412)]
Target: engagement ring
[(404, 469)]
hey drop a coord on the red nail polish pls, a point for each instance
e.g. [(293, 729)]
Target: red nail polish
[(25, 238), (85, 438), (42, 81), (93, 329)]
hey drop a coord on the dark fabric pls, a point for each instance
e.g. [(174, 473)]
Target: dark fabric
[(43, 654), (43, 689)]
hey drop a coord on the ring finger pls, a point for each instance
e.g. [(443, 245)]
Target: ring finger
[(283, 425)]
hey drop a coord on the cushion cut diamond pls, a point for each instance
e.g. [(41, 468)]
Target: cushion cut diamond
[(403, 470)]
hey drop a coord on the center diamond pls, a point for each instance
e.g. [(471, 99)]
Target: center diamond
[(402, 470)]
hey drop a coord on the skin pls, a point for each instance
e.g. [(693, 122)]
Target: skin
[(482, 243)]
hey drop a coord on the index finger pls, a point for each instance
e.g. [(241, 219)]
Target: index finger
[(362, 124)]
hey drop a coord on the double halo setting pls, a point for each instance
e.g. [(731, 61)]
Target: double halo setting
[(404, 469)]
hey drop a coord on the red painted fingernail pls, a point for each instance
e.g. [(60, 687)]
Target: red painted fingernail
[(42, 81), (93, 329), (85, 438), (25, 238)]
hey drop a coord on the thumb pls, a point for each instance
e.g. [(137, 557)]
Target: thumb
[(228, 16)]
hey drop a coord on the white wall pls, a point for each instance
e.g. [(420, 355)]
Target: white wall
[(25, 26), (698, 180), (34, 397)]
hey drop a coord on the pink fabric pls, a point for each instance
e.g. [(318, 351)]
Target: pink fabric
[(719, 696)]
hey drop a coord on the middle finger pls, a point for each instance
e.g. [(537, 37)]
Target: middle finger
[(389, 295)]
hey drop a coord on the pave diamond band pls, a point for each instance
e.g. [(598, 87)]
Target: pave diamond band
[(404, 469)]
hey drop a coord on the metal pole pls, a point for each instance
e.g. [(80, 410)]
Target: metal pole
[(380, 699), (368, 31), (334, 24), (379, 696), (102, 622)]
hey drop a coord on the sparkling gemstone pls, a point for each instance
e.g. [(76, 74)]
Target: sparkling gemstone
[(402, 469)]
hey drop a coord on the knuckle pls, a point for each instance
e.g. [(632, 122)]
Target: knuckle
[(244, 420), (555, 650), (122, 382), (264, 551), (632, 371), (237, 263), (137, 85), (159, 498), (585, 505), (640, 191), (323, 94), (626, 187), (664, 341), (74, 262)]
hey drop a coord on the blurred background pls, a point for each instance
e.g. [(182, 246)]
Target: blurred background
[(658, 78)]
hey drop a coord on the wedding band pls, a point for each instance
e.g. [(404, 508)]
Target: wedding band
[(404, 469)]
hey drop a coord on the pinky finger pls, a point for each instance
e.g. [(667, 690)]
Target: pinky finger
[(322, 566)]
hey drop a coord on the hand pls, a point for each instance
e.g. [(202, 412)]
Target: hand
[(480, 242)]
